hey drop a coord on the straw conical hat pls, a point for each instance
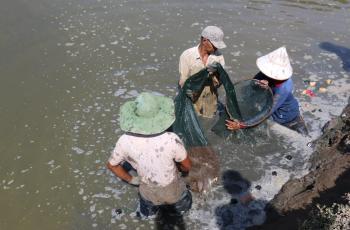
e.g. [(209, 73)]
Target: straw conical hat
[(276, 64)]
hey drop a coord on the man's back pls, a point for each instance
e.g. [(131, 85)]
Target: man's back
[(152, 156)]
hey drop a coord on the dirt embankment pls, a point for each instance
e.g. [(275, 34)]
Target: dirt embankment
[(328, 180)]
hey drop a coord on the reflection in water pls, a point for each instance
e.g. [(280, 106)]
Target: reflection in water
[(342, 52)]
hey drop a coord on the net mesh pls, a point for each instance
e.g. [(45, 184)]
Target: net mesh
[(246, 101)]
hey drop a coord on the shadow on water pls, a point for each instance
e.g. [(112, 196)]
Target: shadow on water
[(243, 210), (169, 219), (342, 52)]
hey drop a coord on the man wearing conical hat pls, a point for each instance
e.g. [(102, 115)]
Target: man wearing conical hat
[(203, 56), (153, 152), (276, 73)]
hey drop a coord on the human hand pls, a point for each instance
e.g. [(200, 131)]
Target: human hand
[(263, 84), (216, 81), (233, 125), (135, 180), (212, 68)]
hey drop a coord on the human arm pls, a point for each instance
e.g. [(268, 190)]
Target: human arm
[(214, 75), (185, 165), (180, 154), (184, 69), (212, 68), (262, 80), (117, 158), (280, 95), (263, 84), (120, 172), (234, 125), (215, 79)]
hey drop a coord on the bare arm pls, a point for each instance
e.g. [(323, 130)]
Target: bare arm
[(184, 69), (234, 125), (120, 172), (185, 165)]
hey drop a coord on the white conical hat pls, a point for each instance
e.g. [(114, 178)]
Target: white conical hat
[(276, 64)]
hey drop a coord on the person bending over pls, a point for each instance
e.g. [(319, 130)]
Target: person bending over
[(153, 152), (276, 73)]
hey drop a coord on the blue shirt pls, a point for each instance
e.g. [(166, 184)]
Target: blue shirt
[(285, 107)]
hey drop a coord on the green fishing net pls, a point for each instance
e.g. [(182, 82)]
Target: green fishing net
[(246, 101)]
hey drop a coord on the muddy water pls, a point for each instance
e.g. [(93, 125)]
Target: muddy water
[(66, 67)]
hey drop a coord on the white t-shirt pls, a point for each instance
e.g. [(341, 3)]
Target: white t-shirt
[(153, 157)]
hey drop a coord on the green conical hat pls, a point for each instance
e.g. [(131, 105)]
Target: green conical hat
[(148, 114)]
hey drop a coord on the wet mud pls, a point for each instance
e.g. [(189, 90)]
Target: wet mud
[(328, 180)]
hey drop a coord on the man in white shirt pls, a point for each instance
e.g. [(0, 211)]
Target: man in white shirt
[(153, 153), (199, 57)]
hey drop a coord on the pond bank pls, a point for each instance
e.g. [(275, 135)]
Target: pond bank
[(327, 182)]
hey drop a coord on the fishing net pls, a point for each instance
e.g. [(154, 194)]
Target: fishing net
[(254, 104), (246, 101)]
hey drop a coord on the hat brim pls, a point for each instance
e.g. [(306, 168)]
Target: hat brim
[(131, 122), (272, 70), (219, 45)]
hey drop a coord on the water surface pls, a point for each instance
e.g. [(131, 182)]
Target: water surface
[(67, 66)]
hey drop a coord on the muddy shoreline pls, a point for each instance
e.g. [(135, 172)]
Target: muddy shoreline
[(328, 180)]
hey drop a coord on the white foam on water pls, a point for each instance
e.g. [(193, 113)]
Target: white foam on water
[(270, 185), (119, 73), (277, 171), (101, 195), (119, 92), (130, 94), (218, 211), (54, 169), (299, 143), (150, 67), (78, 150), (330, 55), (26, 170), (206, 217), (141, 38), (116, 193)]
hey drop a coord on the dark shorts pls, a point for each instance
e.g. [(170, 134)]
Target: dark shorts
[(147, 208)]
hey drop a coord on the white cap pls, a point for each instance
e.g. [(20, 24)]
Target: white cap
[(276, 64), (215, 36)]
